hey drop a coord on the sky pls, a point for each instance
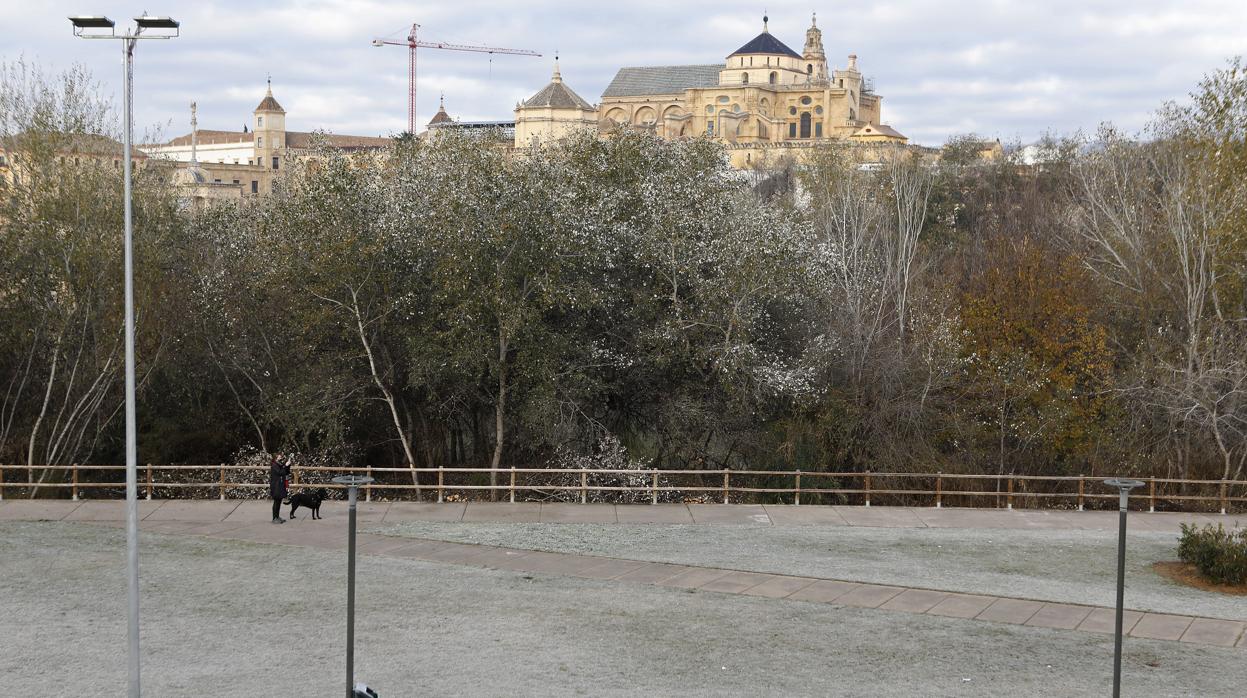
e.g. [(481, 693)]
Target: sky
[(1009, 70)]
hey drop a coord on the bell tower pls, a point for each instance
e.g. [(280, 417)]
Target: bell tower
[(269, 130), (813, 55)]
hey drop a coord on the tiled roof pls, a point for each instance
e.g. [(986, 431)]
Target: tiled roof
[(559, 96), (301, 139), (269, 104), (768, 44), (211, 137), (878, 130), (662, 80)]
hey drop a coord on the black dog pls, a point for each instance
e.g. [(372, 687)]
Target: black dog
[(308, 500)]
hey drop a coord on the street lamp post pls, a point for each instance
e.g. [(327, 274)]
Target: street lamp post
[(353, 483), (1123, 489), (98, 27)]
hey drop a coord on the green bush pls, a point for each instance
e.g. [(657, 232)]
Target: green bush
[(1218, 554)]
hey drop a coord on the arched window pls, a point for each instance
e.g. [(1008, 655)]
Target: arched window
[(744, 78), (805, 124), (772, 78), (809, 68)]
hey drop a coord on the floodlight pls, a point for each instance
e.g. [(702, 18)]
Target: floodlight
[(153, 22), (378, 43), (92, 22)]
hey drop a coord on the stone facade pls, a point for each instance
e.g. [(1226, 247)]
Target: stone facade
[(248, 160), (764, 96)]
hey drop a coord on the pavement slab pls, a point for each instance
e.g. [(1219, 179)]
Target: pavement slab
[(1160, 626), (823, 591), (1010, 611), (36, 510), (189, 510), (779, 587), (1209, 631), (746, 514), (610, 569), (805, 515), (961, 606), (693, 578), (869, 596), (559, 512), (1059, 615), (653, 514), (1104, 620), (651, 573), (881, 517), (110, 510), (424, 511), (914, 600), (503, 512), (736, 582)]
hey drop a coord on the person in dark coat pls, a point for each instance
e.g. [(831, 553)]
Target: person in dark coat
[(278, 472)]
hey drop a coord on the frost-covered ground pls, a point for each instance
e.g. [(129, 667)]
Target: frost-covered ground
[(1047, 565), (238, 619)]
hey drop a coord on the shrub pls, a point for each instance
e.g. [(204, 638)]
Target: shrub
[(1218, 554)]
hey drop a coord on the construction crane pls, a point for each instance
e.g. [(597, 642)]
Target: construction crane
[(412, 43)]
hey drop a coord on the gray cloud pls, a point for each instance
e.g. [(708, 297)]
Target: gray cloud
[(1003, 69)]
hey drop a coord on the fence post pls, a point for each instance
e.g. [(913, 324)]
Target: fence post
[(513, 484), (1081, 484), (439, 484), (1223, 496), (1009, 500), (1151, 495), (584, 486), (939, 489), (867, 488), (368, 487), (221, 470), (653, 489), (149, 482), (796, 501), (1, 483), (75, 482), (725, 485)]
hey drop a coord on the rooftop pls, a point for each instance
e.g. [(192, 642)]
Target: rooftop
[(660, 80)]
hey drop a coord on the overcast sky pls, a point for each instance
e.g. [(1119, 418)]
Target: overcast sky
[(1008, 70)]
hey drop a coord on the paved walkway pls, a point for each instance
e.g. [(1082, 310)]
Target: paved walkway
[(534, 512), (232, 520)]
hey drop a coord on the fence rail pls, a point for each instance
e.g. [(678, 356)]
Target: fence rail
[(933, 489)]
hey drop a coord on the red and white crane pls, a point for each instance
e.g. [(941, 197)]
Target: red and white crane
[(412, 43)]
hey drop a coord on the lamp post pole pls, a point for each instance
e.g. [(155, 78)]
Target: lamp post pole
[(1123, 489), (93, 27), (353, 483), (132, 485)]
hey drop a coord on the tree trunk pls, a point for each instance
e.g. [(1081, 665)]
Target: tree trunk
[(386, 394), (499, 410)]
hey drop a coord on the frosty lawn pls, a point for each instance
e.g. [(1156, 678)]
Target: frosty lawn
[(225, 618)]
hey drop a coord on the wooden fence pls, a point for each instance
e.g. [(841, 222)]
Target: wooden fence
[(915, 489)]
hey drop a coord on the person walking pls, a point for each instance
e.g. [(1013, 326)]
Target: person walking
[(278, 472)]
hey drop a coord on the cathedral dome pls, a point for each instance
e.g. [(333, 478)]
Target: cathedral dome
[(765, 43)]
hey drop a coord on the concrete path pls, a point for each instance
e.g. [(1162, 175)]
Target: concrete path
[(247, 521), (693, 514)]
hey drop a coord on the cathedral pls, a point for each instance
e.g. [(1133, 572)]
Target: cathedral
[(764, 97)]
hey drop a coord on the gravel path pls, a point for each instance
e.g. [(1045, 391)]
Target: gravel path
[(1047, 565), (230, 619)]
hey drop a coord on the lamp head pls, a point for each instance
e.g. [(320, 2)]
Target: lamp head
[(378, 43), (1123, 484), (153, 22), (95, 22)]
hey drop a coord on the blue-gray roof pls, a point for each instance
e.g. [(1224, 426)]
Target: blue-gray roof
[(662, 80), (768, 44)]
